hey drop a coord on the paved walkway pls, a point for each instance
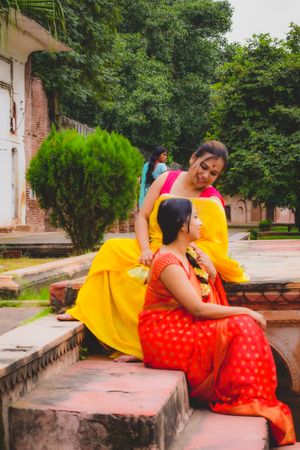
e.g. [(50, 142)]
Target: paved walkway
[(270, 260), (11, 317), (59, 237)]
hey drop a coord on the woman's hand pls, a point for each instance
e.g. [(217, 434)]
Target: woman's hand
[(146, 257), (258, 317), (204, 260)]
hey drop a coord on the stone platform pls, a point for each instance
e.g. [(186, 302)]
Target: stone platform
[(99, 404), (52, 401)]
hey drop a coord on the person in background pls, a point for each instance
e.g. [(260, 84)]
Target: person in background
[(151, 170), (187, 325)]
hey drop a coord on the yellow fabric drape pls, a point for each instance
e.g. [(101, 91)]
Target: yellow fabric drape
[(110, 299)]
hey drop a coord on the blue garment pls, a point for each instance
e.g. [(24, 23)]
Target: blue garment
[(159, 169)]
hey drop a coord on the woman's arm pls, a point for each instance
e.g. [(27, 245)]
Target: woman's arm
[(175, 280), (141, 226)]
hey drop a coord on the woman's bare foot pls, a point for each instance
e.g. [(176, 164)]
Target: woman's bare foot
[(64, 317), (126, 359)]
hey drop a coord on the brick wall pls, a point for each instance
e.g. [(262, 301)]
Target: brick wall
[(37, 127)]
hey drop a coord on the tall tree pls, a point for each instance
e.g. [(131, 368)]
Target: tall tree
[(141, 67), (257, 114), (169, 53), (83, 80)]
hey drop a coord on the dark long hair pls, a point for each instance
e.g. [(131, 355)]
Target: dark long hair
[(153, 158), (215, 148), (172, 214)]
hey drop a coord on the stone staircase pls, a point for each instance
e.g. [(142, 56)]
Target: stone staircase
[(99, 404), (51, 400)]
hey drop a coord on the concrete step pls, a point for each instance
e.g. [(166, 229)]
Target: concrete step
[(100, 404), (30, 354), (210, 431)]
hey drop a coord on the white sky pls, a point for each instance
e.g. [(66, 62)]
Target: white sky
[(262, 16)]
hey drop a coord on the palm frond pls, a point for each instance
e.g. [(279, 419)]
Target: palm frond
[(50, 12)]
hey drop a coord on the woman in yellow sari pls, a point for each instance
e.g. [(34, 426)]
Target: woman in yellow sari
[(113, 294)]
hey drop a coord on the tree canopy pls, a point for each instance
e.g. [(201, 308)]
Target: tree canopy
[(257, 113), (169, 53), (81, 81), (141, 67)]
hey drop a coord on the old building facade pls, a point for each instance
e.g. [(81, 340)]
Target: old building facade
[(23, 122)]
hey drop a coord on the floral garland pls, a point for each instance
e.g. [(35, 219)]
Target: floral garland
[(201, 274)]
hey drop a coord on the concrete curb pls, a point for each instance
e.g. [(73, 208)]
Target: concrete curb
[(12, 282)]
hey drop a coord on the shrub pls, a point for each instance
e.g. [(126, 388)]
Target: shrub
[(85, 183), (265, 225), (253, 234)]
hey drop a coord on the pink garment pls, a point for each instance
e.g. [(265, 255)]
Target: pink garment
[(209, 191)]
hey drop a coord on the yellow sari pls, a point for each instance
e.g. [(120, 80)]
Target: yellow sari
[(111, 298)]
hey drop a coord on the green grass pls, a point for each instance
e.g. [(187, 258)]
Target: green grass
[(23, 303), (20, 263), (31, 294), (284, 229), (267, 238), (45, 312), (41, 294)]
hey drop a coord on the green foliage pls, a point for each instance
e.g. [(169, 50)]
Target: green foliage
[(169, 52), (253, 234), (265, 225), (257, 113), (84, 79), (143, 68), (50, 12), (85, 182), (83, 353)]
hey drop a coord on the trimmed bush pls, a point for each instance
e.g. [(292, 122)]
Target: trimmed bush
[(86, 183)]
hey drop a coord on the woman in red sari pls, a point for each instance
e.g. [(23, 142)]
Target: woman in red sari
[(187, 325)]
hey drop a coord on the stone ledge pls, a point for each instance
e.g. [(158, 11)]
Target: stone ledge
[(260, 296), (279, 295), (30, 354), (101, 404), (40, 250), (64, 293), (28, 348), (206, 430), (240, 236), (13, 281)]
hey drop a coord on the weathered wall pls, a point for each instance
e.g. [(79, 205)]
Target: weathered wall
[(37, 126)]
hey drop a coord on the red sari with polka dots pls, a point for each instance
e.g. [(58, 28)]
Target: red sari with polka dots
[(228, 362)]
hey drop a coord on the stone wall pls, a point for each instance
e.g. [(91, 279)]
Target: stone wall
[(239, 212)]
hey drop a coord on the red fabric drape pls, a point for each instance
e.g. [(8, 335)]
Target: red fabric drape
[(228, 362)]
